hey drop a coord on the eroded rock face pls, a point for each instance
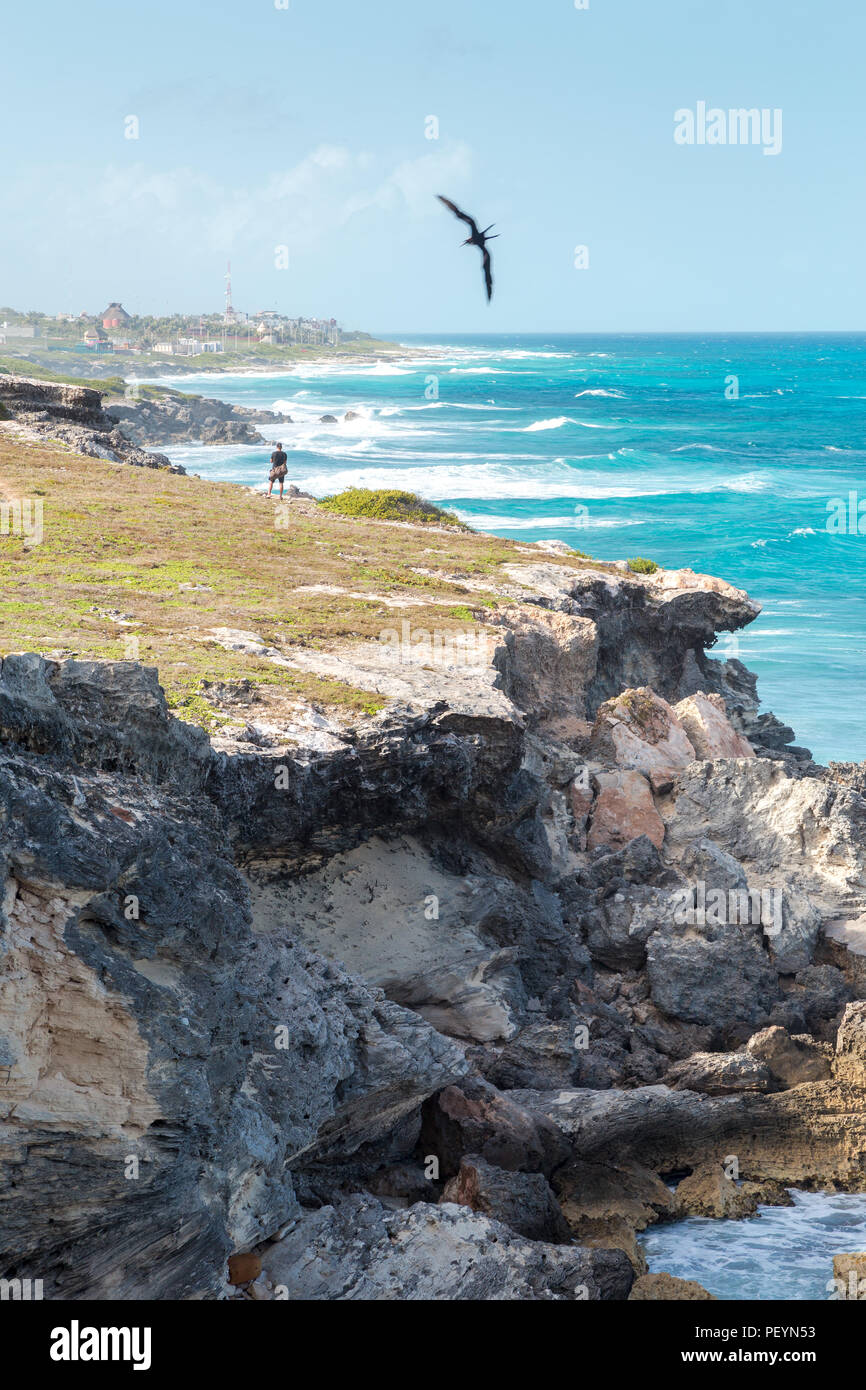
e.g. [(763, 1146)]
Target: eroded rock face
[(174, 1036), (710, 732), (623, 811), (74, 415), (664, 1287), (176, 417), (330, 978), (359, 1250), (639, 730), (522, 1201)]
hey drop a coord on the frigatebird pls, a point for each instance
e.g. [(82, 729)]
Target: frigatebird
[(477, 238)]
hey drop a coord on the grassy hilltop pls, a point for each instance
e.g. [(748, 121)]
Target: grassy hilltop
[(133, 551)]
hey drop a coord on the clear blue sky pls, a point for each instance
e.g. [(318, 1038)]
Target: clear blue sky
[(305, 127)]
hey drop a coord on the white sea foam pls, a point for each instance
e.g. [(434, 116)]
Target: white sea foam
[(554, 424), (599, 391), (786, 1253), (710, 448)]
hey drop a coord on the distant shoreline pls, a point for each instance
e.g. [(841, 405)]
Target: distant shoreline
[(283, 368), (63, 366)]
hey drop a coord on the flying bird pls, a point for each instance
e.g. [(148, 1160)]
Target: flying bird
[(477, 238)]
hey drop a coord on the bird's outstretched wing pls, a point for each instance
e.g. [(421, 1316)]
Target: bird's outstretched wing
[(464, 216), (488, 273)]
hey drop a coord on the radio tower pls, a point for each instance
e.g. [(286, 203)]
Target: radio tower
[(230, 313)]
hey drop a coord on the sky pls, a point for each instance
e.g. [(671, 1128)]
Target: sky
[(293, 137)]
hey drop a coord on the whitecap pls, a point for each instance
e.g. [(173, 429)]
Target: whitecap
[(553, 424)]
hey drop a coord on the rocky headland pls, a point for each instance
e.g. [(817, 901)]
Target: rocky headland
[(73, 416), (161, 417), (448, 1001)]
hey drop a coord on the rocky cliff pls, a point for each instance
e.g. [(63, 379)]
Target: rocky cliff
[(436, 1004), (170, 417), (74, 416)]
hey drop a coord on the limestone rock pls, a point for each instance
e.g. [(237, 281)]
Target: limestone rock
[(708, 1192), (665, 1287), (705, 720), (74, 415), (623, 810), (849, 1276), (639, 730), (548, 661), (791, 1061), (522, 1201), (851, 1044), (359, 1250), (613, 1233), (721, 977), (721, 1073), (475, 1118), (596, 1194)]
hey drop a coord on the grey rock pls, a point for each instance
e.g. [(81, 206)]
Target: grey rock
[(359, 1250), (720, 1074), (522, 1201)]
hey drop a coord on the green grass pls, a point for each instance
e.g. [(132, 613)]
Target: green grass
[(390, 504), (119, 542), (20, 366)]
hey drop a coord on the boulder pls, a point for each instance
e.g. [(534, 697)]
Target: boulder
[(623, 810), (358, 1250), (595, 1195), (639, 730), (708, 1192), (612, 1233), (474, 1118), (665, 1287), (720, 978), (711, 733), (790, 1061), (522, 1201), (720, 1074)]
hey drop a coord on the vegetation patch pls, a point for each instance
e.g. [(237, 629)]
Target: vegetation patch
[(639, 565), (390, 504)]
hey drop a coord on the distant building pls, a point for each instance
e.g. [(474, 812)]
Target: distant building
[(164, 347), (214, 346), (95, 338), (19, 330), (115, 316)]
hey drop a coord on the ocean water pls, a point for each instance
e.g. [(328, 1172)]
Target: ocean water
[(783, 1253), (734, 455)]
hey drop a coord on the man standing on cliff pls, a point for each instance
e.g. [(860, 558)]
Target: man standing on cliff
[(279, 469)]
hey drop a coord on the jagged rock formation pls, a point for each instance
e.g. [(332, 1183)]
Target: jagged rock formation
[(74, 415), (416, 1004), (175, 418)]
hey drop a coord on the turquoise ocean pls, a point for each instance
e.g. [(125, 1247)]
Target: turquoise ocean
[(733, 455)]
